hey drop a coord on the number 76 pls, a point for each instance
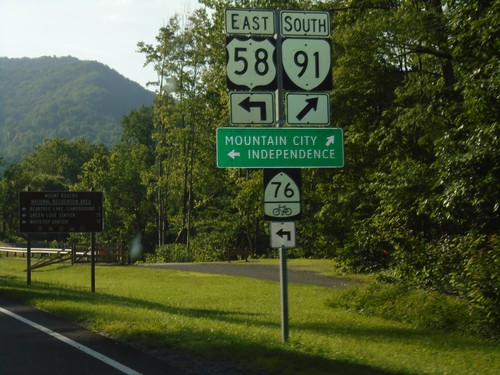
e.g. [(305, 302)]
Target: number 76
[(288, 191)]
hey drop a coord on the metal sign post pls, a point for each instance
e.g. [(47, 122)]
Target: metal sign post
[(283, 237), (279, 50), (92, 262), (283, 252), (284, 293), (28, 261)]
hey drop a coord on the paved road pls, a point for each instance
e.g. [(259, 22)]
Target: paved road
[(34, 342), (257, 271)]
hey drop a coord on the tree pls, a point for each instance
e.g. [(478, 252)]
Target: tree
[(424, 200), (122, 174), (138, 129), (53, 165), (179, 60), (56, 163)]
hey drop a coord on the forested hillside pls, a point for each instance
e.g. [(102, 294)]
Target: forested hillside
[(415, 89), (64, 97)]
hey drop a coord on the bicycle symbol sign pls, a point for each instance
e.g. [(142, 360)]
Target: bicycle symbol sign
[(282, 210), (282, 194)]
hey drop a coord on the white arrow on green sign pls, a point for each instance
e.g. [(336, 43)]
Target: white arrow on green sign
[(280, 148)]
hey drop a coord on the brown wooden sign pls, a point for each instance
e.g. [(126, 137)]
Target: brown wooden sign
[(60, 212)]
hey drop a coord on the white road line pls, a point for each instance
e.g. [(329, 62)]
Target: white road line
[(66, 340)]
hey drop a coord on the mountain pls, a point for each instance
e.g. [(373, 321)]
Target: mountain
[(62, 97)]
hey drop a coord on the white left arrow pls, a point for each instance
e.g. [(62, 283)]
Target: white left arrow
[(330, 140), (233, 154)]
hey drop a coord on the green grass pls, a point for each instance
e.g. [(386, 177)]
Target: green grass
[(230, 318)]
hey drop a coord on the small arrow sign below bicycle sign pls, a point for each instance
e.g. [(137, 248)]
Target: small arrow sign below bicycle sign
[(252, 108), (308, 109), (283, 234)]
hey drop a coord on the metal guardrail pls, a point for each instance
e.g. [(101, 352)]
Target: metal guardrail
[(105, 252), (34, 250), (52, 255)]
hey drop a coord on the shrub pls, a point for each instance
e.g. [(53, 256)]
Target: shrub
[(399, 302), (467, 266), (173, 253)]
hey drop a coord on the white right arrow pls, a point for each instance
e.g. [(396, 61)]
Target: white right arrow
[(330, 140), (233, 154)]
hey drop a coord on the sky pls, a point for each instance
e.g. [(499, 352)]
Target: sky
[(99, 30)]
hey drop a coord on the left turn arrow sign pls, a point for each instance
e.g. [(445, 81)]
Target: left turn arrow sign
[(282, 234), (249, 108), (247, 104)]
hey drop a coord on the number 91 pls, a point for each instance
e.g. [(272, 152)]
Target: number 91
[(301, 59)]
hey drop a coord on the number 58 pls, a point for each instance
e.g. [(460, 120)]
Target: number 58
[(251, 63)]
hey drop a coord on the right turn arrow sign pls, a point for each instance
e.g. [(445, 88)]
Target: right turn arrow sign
[(307, 108)]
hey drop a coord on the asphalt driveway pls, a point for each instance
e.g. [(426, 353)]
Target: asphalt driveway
[(256, 271)]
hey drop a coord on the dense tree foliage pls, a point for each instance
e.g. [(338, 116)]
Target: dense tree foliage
[(53, 165), (51, 97), (416, 88)]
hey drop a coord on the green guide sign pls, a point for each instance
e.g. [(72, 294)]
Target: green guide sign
[(280, 148)]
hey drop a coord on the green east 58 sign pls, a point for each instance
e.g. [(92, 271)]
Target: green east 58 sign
[(280, 148)]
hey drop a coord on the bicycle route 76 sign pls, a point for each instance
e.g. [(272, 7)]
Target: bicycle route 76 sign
[(282, 194)]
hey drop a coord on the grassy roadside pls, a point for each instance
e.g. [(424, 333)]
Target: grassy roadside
[(230, 318)]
